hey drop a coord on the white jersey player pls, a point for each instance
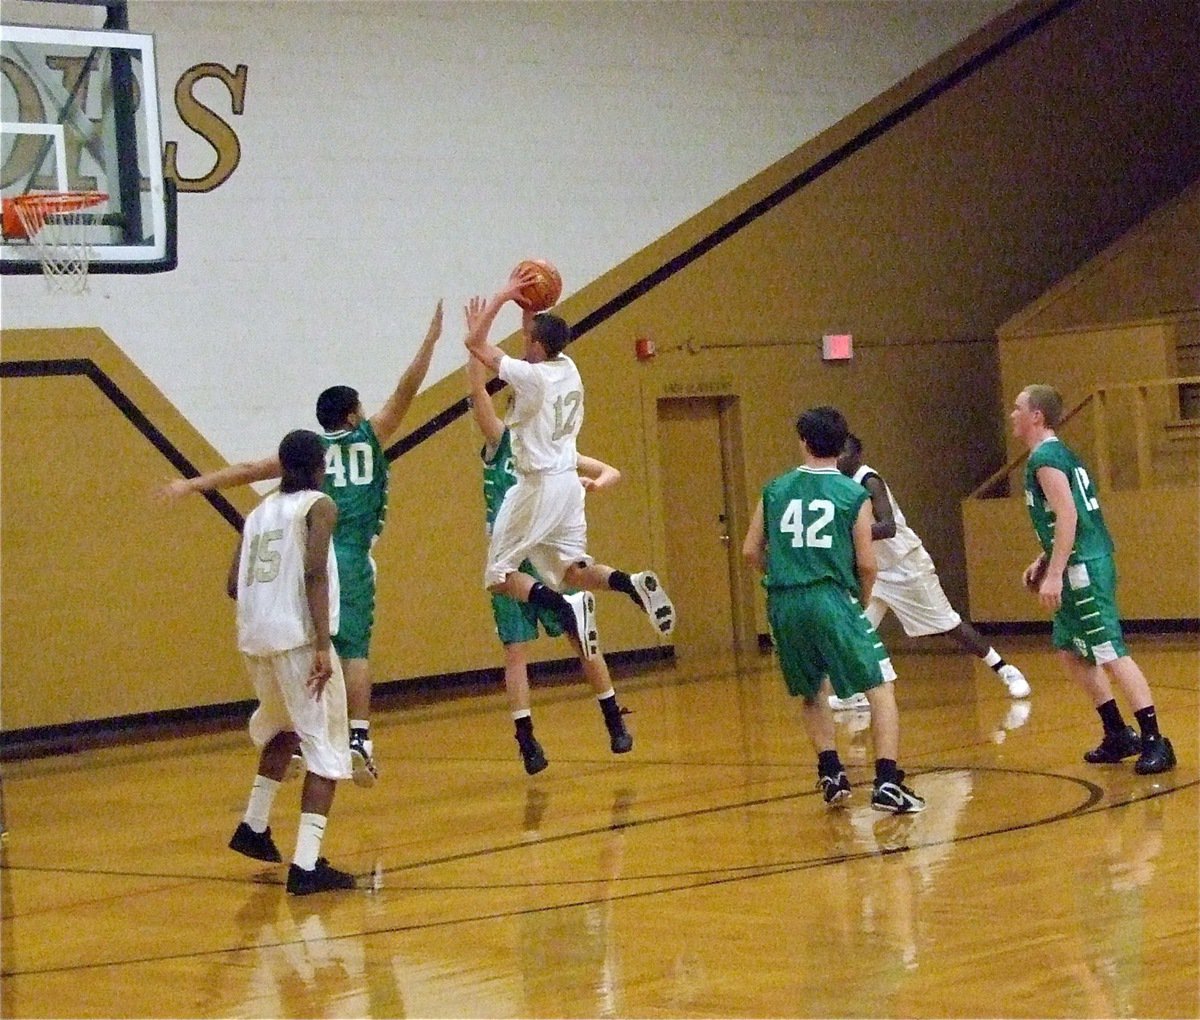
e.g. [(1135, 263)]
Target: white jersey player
[(908, 584), (542, 518), (285, 579)]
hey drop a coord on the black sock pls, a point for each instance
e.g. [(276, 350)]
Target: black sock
[(611, 710), (885, 770), (1110, 716), (618, 580), (828, 763), (999, 665), (548, 598), (1147, 720), (524, 727)]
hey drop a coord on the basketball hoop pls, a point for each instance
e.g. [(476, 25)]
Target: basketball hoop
[(56, 224)]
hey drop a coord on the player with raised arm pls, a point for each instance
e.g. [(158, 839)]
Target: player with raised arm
[(356, 477), (516, 622), (542, 518)]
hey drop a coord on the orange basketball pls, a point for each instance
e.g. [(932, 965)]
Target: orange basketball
[(544, 291)]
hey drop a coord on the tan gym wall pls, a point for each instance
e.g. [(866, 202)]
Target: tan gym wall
[(921, 240)]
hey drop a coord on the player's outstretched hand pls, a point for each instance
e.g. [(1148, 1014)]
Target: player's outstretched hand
[(435, 325), (171, 492), (473, 313), (522, 276)]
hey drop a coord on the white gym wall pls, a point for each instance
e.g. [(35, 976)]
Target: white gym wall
[(392, 153)]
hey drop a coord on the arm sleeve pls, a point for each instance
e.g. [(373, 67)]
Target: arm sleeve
[(516, 372)]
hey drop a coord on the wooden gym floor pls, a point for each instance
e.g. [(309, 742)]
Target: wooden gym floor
[(699, 876)]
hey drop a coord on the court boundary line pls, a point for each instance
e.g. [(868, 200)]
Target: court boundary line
[(1090, 806)]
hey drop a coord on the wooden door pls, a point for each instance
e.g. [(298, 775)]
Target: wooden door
[(697, 523)]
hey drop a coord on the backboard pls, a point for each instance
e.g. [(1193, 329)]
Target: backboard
[(79, 111)]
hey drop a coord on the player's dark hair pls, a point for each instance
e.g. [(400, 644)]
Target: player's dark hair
[(335, 405), (551, 332), (853, 444), (301, 453), (823, 430), (1046, 399)]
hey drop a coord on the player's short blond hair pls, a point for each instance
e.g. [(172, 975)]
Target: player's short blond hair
[(1048, 400)]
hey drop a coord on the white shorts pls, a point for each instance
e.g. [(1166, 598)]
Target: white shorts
[(540, 520), (286, 704), (912, 591)]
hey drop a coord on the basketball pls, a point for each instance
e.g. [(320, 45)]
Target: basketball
[(544, 291), (1033, 580)]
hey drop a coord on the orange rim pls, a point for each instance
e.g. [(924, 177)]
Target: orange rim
[(59, 201), (37, 205)]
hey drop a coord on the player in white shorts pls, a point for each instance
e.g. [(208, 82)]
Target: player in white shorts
[(908, 584), (542, 518), (285, 579)]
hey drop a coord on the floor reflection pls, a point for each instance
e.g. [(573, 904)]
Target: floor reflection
[(1109, 892), (568, 954), (301, 968)]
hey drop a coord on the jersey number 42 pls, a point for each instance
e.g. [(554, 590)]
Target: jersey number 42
[(813, 535)]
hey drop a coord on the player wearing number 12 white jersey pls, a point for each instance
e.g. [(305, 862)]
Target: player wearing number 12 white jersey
[(542, 518)]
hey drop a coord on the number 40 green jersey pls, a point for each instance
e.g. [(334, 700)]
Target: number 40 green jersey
[(809, 515), (356, 479), (1092, 539)]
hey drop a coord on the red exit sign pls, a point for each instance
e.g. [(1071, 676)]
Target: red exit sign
[(837, 347)]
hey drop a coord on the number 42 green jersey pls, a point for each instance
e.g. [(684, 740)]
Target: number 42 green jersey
[(808, 516), (1092, 539)]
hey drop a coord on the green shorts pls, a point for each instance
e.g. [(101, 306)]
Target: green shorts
[(821, 630), (518, 621), (1087, 623), (356, 578)]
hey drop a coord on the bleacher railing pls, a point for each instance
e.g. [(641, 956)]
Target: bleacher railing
[(1154, 414)]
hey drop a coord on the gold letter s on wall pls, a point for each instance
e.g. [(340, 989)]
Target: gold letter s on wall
[(208, 125)]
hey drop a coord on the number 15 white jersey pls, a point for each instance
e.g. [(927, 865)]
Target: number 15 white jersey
[(272, 605)]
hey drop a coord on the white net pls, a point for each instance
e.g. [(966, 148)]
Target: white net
[(57, 225)]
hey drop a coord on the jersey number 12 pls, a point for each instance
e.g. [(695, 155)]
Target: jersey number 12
[(1085, 487)]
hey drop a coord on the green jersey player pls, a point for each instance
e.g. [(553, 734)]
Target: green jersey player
[(811, 538), (1076, 577), (356, 473)]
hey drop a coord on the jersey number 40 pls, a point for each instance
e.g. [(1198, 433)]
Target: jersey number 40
[(352, 464)]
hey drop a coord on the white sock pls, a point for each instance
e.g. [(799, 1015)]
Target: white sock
[(610, 693), (360, 724), (522, 713), (991, 658), (308, 840), (262, 796)]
